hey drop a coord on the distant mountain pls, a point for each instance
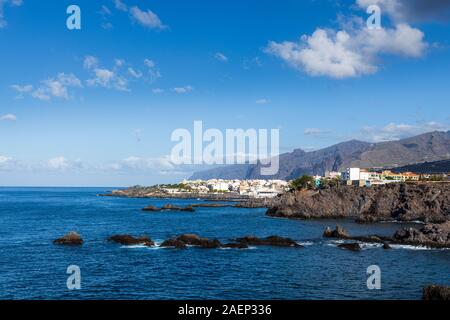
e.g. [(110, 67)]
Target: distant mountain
[(435, 167), (432, 146)]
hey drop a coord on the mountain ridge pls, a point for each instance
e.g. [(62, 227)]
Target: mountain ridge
[(426, 147)]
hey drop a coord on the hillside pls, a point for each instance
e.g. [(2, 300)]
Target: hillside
[(432, 146), (435, 167)]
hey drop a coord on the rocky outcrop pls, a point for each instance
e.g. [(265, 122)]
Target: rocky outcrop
[(432, 235), (269, 241), (427, 202), (127, 240), (233, 245), (339, 233), (435, 292), (71, 238), (168, 207), (174, 243), (195, 240)]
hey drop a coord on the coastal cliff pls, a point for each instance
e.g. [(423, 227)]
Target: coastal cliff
[(426, 202)]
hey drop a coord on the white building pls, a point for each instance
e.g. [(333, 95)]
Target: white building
[(352, 174)]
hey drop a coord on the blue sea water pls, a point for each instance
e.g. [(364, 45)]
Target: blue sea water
[(32, 267)]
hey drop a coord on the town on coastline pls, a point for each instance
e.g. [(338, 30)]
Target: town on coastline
[(270, 188)]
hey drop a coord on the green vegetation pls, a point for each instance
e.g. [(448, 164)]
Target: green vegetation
[(304, 182)]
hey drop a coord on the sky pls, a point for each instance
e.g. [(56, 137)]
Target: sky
[(97, 106)]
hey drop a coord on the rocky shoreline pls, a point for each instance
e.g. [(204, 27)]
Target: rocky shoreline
[(430, 235), (150, 192), (425, 202)]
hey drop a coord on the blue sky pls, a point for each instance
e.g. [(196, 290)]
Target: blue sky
[(97, 106)]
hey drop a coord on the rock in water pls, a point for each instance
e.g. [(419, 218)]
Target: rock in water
[(435, 292), (71, 238), (195, 240), (150, 208), (127, 240), (350, 246), (269, 241), (339, 233), (174, 243), (434, 235)]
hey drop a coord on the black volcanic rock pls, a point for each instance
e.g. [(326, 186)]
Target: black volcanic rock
[(195, 240), (269, 241), (125, 239), (174, 243), (435, 292), (71, 238), (434, 235), (339, 233), (427, 202)]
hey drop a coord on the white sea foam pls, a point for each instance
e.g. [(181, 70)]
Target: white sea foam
[(305, 243), (410, 247), (135, 246), (370, 245)]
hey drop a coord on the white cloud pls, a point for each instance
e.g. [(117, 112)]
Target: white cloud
[(120, 5), (6, 163), (134, 73), (13, 3), (144, 164), (395, 131), (22, 89), (57, 87), (119, 62), (104, 10), (90, 62), (146, 18), (184, 89), (350, 52), (58, 163), (53, 87), (221, 57), (158, 90), (61, 163), (152, 71), (316, 132), (262, 101), (8, 117), (108, 79)]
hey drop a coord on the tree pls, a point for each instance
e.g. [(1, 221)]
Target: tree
[(304, 182)]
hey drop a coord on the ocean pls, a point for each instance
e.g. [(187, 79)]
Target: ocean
[(32, 267)]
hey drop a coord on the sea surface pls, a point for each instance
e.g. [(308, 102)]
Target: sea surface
[(32, 267)]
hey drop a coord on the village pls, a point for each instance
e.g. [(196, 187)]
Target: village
[(260, 188)]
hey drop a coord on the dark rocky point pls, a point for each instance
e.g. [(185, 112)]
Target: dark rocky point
[(432, 235)]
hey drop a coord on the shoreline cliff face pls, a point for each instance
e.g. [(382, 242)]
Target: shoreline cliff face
[(426, 202)]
